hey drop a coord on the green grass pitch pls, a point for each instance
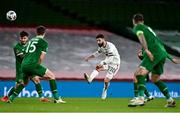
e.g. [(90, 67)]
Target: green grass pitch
[(87, 105)]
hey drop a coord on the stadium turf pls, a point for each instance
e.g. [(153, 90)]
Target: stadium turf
[(86, 105)]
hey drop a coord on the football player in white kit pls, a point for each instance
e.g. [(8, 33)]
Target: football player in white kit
[(110, 64)]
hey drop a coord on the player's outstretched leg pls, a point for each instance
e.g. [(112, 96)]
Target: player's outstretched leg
[(90, 77), (16, 92), (164, 89), (5, 98), (53, 87)]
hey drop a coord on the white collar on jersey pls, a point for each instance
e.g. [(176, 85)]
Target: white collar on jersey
[(40, 36)]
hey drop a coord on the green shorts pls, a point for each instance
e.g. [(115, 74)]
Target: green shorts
[(156, 66), (34, 70)]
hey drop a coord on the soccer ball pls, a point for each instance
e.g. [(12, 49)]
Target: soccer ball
[(11, 15)]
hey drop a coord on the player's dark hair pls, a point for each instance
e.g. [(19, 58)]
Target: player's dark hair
[(40, 30), (100, 36), (23, 33), (138, 17)]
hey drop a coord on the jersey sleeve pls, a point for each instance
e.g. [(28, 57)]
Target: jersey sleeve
[(44, 46), (18, 62), (138, 30), (169, 56), (97, 53)]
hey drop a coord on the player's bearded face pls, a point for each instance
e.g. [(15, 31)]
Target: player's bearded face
[(99, 42), (23, 40)]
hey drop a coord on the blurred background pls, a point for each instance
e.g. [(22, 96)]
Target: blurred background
[(72, 27)]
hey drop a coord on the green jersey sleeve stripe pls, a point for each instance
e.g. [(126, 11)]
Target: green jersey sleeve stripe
[(139, 32)]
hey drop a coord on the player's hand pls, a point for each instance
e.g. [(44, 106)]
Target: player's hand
[(149, 54), (98, 66), (176, 61), (140, 55), (86, 59)]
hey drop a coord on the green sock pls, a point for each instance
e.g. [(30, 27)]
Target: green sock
[(163, 88), (11, 91), (39, 89), (146, 92), (141, 85), (53, 87), (135, 89), (16, 92)]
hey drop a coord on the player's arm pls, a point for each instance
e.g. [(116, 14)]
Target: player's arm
[(43, 51), (174, 60), (89, 57), (95, 54), (42, 56), (143, 42), (18, 64)]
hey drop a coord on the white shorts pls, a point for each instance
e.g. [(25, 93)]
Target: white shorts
[(111, 70)]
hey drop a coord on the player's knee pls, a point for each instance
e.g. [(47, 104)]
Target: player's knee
[(135, 80), (99, 68), (36, 80), (107, 80), (154, 78), (49, 75), (141, 71)]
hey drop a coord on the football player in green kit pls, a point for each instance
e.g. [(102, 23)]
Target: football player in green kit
[(153, 61), (31, 65), (19, 55)]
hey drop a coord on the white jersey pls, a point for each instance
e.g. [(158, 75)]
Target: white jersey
[(111, 53)]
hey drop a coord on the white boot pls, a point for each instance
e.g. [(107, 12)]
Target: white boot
[(86, 76), (104, 94), (59, 101), (170, 102), (138, 102)]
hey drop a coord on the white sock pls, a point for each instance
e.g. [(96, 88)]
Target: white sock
[(93, 75)]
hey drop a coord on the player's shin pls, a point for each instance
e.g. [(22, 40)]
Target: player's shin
[(146, 92), (141, 85), (11, 91), (16, 92), (39, 89), (53, 87), (163, 88), (135, 89), (93, 75)]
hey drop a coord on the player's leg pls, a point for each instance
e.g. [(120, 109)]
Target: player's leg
[(111, 72), (94, 73), (18, 89), (149, 97), (135, 89), (53, 86), (146, 92), (36, 81), (157, 71), (19, 80), (140, 74), (164, 89)]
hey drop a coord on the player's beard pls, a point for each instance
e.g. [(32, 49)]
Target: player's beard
[(100, 45), (23, 43)]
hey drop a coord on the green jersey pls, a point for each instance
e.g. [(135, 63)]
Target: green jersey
[(153, 42), (34, 48), (19, 52)]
